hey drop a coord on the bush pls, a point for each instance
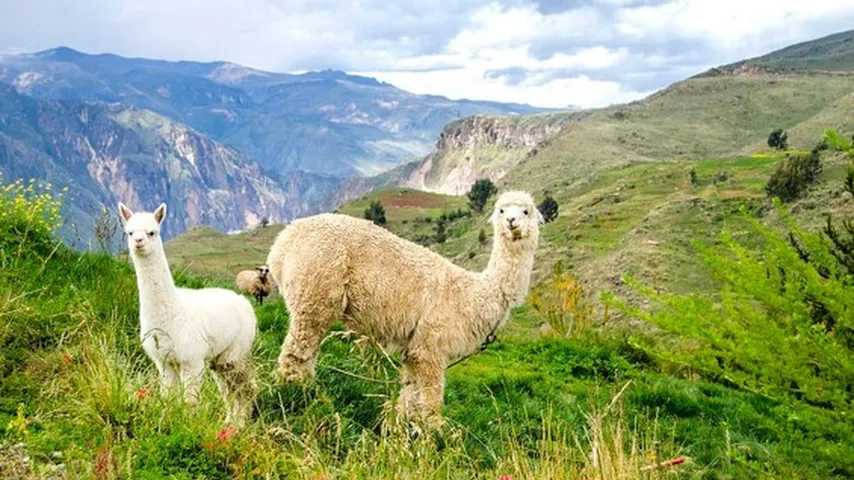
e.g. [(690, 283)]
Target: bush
[(480, 193), (562, 303), (376, 213), (778, 139), (793, 175), (29, 216), (548, 208), (835, 141), (440, 234), (782, 323)]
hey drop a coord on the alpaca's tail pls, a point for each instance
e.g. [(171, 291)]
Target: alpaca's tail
[(276, 258)]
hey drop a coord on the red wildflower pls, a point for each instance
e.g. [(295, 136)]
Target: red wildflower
[(226, 433), (141, 393)]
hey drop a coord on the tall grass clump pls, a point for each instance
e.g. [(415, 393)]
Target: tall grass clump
[(563, 304)]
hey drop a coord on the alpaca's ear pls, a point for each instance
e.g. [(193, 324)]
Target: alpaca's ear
[(160, 213), (124, 212)]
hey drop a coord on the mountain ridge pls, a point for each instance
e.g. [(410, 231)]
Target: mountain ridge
[(306, 133)]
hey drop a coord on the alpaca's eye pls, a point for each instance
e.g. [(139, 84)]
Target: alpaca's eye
[(501, 211), (525, 212), (151, 233)]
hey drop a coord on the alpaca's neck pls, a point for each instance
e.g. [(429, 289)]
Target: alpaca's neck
[(509, 271), (158, 297)]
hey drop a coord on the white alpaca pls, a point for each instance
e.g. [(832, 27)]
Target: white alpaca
[(183, 331), (332, 267)]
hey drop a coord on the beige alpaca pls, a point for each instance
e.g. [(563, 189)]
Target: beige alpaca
[(403, 295)]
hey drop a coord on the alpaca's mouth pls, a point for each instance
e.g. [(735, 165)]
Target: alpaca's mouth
[(516, 233)]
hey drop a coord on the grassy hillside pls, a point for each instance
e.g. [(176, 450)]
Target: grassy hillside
[(78, 398), (732, 350), (215, 255), (831, 53)]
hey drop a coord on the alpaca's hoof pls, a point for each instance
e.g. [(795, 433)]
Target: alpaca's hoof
[(292, 372)]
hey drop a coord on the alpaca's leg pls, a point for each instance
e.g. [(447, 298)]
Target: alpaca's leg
[(407, 401), (314, 306), (430, 381), (168, 379), (299, 351), (167, 375), (236, 381), (192, 375), (423, 391)]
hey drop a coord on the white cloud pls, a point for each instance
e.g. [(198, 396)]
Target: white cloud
[(549, 53)]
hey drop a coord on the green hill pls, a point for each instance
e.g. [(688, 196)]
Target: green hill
[(831, 53), (677, 313), (78, 397)]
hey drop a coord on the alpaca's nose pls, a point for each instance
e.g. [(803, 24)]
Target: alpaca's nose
[(511, 222)]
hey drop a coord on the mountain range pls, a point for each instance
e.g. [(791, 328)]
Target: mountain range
[(110, 127)]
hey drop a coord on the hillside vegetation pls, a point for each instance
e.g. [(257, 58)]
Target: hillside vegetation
[(79, 397), (682, 323)]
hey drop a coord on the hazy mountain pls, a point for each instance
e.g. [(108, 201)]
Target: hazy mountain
[(224, 144), (105, 153), (326, 122)]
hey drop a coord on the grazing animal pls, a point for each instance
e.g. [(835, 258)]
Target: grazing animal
[(183, 330), (255, 282), (332, 267)]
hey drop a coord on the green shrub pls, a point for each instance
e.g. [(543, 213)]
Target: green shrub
[(778, 139), (29, 216), (835, 141), (376, 213), (480, 193), (793, 175), (782, 323), (548, 208)]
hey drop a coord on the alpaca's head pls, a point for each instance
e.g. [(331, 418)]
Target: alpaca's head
[(263, 272), (142, 229), (516, 218)]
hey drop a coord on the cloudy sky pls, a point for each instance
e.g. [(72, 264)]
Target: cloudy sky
[(547, 53)]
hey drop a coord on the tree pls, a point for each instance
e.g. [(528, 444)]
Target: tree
[(548, 208), (376, 213), (793, 175), (480, 193), (778, 139), (264, 222), (440, 235)]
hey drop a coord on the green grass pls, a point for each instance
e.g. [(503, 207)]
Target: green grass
[(79, 394)]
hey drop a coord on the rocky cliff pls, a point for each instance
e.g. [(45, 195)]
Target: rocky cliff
[(482, 147), (104, 153)]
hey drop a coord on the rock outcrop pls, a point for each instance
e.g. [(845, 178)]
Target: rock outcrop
[(482, 147)]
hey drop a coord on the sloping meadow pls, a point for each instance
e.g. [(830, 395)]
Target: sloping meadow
[(78, 398)]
